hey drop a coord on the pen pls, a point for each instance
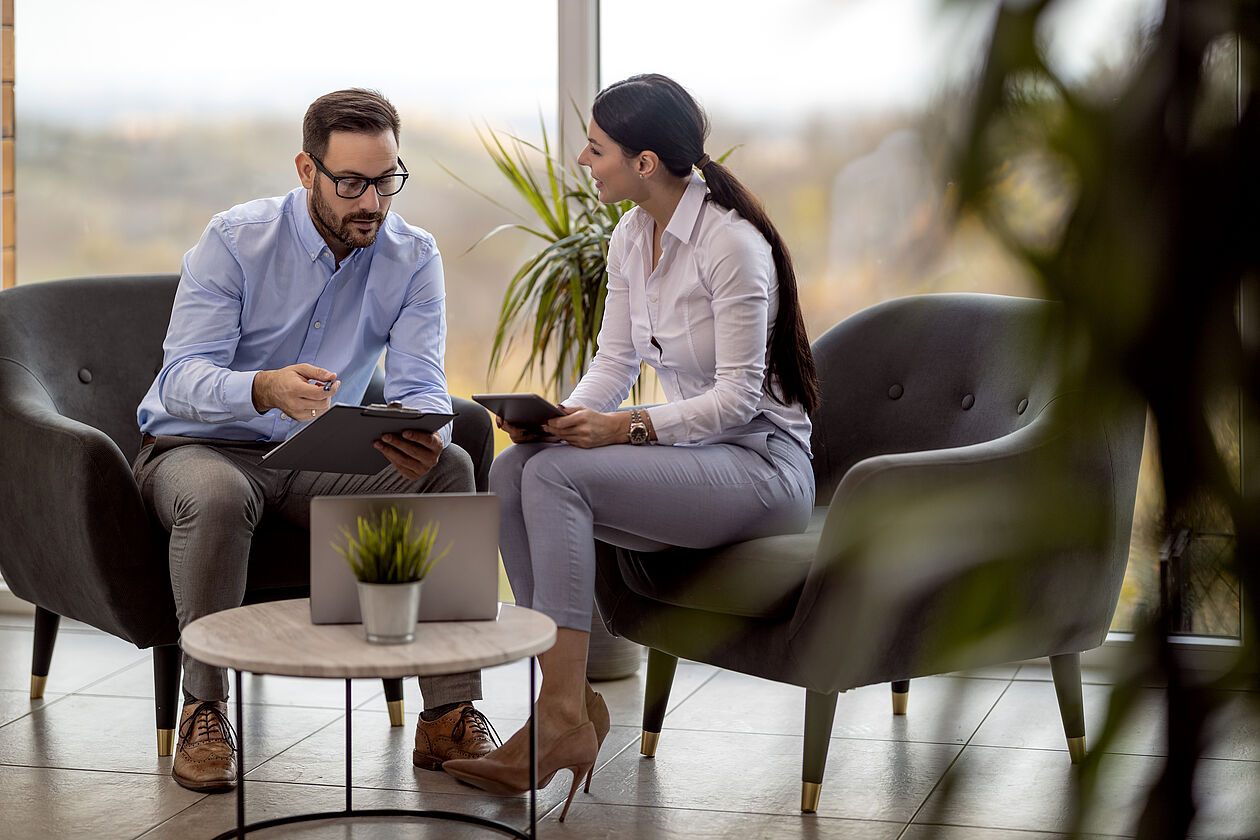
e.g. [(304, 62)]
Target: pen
[(326, 385)]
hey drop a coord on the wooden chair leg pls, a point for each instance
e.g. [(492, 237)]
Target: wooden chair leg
[(394, 700), (46, 623), (1066, 670), (166, 699), (820, 713), (660, 679), (900, 696)]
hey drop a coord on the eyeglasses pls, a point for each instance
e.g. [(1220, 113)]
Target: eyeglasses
[(352, 186)]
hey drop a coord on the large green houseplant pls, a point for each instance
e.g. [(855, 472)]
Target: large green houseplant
[(555, 301)]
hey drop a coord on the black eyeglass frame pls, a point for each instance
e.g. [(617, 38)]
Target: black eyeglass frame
[(375, 183)]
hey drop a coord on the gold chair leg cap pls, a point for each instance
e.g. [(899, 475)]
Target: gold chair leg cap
[(810, 793), (647, 743), (1076, 749), (901, 702), (37, 686), (397, 717), (166, 741)]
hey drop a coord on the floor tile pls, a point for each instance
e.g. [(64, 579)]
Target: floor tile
[(942, 709), (79, 659), (40, 803), (864, 780), (1028, 716), (118, 733), (614, 822), (1036, 790), (1227, 794), (16, 704), (1039, 670), (1234, 730)]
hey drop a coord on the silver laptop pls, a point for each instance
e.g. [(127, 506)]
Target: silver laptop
[(463, 586)]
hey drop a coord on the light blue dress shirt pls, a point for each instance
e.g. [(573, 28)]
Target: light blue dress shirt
[(260, 292)]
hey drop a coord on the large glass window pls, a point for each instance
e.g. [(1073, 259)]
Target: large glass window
[(139, 119), (840, 116)]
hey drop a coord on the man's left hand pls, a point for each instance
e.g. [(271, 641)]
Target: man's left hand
[(413, 453)]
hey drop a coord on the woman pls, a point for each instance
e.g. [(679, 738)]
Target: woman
[(701, 287)]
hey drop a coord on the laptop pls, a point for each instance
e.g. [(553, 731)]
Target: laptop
[(462, 586)]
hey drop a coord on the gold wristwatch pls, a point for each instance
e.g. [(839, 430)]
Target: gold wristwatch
[(638, 429)]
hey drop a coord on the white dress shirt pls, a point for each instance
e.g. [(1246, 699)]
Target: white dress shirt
[(701, 319)]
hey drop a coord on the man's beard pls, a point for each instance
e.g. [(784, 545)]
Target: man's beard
[(341, 229)]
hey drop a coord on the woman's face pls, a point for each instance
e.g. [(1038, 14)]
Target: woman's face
[(616, 175)]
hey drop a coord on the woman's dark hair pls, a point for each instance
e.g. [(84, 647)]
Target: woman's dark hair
[(355, 110), (654, 113)]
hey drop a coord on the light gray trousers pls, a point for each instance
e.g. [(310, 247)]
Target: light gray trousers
[(210, 495), (556, 500)]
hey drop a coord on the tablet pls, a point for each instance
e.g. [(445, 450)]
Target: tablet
[(340, 440), (525, 411)]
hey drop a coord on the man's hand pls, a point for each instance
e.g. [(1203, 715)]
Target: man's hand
[(413, 454), (303, 392), (588, 429)]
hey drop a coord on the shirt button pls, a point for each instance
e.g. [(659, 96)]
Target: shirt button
[(318, 324), (652, 298)]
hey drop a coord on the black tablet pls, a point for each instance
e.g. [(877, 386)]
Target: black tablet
[(525, 411), (340, 440)]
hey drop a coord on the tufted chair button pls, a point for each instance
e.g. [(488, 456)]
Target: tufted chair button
[(895, 392), (967, 402), (85, 375), (1023, 406)]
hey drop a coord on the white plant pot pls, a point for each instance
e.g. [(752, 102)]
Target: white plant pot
[(390, 611)]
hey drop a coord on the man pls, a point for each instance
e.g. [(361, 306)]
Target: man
[(284, 307)]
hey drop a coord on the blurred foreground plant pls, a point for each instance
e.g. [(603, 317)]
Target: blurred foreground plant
[(1157, 259)]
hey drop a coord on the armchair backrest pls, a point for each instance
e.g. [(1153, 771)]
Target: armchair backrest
[(92, 344), (929, 372)]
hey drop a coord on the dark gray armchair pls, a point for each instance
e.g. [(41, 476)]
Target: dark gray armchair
[(76, 356), (972, 511)]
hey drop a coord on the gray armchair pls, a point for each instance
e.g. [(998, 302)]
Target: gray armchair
[(972, 511), (76, 356)]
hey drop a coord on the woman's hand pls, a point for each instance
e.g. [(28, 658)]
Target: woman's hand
[(520, 435), (588, 429)]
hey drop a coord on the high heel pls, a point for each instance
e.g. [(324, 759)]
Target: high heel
[(574, 751), (597, 711)]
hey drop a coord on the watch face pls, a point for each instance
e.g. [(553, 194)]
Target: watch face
[(638, 433)]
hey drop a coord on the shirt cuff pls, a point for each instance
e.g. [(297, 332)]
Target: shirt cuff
[(667, 423), (238, 394)]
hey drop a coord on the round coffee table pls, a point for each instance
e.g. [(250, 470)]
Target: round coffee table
[(278, 638)]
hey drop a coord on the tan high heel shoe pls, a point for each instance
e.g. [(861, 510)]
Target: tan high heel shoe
[(597, 711), (574, 751)]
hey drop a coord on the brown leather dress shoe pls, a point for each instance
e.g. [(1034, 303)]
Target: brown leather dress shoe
[(462, 732), (206, 758)]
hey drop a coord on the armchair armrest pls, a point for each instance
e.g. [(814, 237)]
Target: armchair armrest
[(78, 540), (946, 558)]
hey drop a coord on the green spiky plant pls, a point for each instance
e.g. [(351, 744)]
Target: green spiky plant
[(556, 299), (385, 552)]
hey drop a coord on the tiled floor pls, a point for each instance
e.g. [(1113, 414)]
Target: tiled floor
[(979, 756)]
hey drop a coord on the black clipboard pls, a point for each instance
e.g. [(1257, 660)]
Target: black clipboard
[(340, 440)]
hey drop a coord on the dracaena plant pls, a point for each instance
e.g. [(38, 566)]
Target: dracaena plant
[(555, 301), (383, 549)]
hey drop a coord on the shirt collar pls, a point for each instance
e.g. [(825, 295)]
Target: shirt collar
[(307, 234), (686, 219)]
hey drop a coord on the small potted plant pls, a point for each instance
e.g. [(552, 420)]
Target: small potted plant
[(390, 565)]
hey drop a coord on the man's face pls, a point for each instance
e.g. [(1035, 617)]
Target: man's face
[(349, 223)]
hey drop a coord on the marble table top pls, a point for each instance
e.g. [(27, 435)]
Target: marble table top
[(278, 637)]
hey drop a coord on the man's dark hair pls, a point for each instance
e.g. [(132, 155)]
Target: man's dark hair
[(355, 109)]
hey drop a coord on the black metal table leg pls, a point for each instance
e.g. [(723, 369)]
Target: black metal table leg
[(240, 762)]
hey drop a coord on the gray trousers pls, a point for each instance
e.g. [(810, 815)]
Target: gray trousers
[(556, 500), (210, 495)]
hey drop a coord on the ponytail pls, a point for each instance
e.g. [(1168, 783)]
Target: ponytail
[(654, 112), (791, 360)]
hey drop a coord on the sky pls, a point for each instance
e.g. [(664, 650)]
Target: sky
[(93, 61)]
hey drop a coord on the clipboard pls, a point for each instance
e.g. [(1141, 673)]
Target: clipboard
[(340, 440)]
